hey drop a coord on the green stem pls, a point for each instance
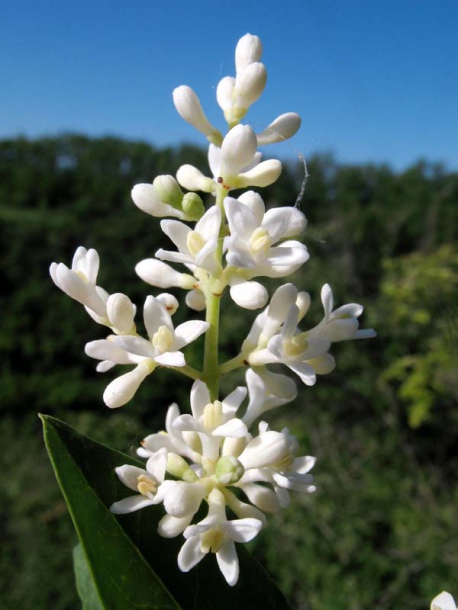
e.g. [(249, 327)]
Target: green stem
[(230, 365), (189, 371), (213, 300)]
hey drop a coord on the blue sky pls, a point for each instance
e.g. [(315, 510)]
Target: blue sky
[(374, 80)]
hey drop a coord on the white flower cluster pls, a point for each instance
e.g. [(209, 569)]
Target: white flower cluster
[(211, 456)]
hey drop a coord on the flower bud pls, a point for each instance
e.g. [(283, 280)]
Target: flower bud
[(193, 206), (169, 301), (261, 175), (229, 470), (161, 275), (188, 106), (283, 128), (249, 85), (168, 190), (192, 179), (195, 299), (123, 389), (147, 199), (237, 150), (121, 312), (249, 295), (247, 51), (303, 304), (224, 92), (179, 468)]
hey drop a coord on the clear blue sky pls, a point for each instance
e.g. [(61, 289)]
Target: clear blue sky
[(374, 80)]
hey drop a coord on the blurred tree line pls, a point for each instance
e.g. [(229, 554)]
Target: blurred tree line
[(380, 532)]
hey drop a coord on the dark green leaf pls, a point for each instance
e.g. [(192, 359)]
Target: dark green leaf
[(85, 584), (122, 577)]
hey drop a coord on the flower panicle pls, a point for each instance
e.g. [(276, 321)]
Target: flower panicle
[(222, 454)]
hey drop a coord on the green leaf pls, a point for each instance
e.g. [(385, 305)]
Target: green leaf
[(129, 564), (85, 584), (120, 575)]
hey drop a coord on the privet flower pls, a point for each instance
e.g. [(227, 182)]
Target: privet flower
[(217, 535), (161, 348), (276, 338), (196, 248), (255, 233), (236, 164), (211, 460)]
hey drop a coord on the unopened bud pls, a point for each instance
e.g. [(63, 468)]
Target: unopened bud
[(121, 312), (178, 467), (192, 179), (261, 175), (283, 128), (193, 206), (247, 51), (229, 470), (168, 190), (237, 150)]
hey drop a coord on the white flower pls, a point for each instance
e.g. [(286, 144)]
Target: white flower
[(196, 248), (217, 535), (269, 459), (213, 421), (254, 233), (235, 164), (269, 322), (145, 482), (237, 152), (181, 499), (188, 106), (115, 311), (269, 448), (305, 356), (232, 170), (163, 347), (443, 601), (79, 282), (267, 390), (342, 323), (275, 337), (182, 443)]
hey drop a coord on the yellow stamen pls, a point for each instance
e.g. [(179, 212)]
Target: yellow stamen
[(211, 540), (162, 339), (145, 484), (213, 415), (194, 243), (260, 241)]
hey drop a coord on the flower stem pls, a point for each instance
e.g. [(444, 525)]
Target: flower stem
[(230, 365), (189, 371), (212, 372)]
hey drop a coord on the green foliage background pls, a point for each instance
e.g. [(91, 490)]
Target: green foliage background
[(381, 530)]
